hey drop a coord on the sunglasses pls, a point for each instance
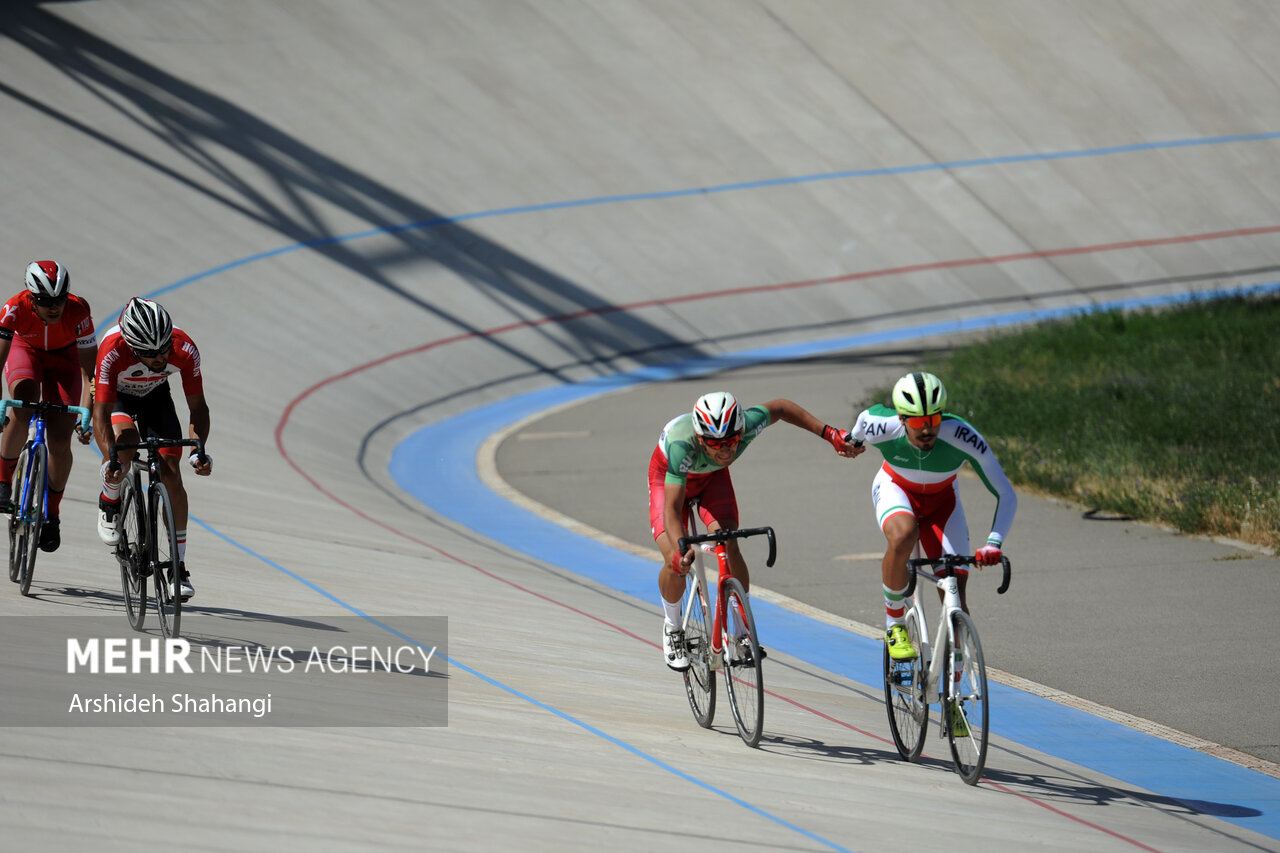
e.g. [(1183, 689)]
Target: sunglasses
[(150, 353), (925, 420), (49, 301), (719, 443)]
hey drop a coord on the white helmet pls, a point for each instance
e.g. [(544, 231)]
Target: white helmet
[(48, 281), (145, 326), (717, 415)]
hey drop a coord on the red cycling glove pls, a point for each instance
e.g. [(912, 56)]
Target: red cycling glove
[(836, 438), (987, 555)]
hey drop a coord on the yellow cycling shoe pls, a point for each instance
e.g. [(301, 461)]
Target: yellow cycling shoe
[(899, 643)]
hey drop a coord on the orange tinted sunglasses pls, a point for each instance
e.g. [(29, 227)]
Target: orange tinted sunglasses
[(924, 420), (717, 443)]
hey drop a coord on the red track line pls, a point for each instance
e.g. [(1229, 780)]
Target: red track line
[(717, 294)]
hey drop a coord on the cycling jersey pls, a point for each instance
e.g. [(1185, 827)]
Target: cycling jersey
[(931, 472), (120, 370), (686, 457), (20, 323)]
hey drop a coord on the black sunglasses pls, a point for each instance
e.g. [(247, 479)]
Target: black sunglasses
[(49, 301), (150, 353)]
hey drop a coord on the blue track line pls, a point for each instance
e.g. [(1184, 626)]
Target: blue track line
[(767, 183)]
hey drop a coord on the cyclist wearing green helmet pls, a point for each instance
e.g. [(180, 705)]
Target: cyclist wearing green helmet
[(915, 493)]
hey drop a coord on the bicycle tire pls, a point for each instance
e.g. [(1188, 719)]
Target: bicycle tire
[(131, 552), (15, 519), (699, 678), (744, 670), (162, 548), (904, 699), (33, 515), (967, 692)]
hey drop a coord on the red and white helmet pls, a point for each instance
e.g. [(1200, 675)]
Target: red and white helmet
[(717, 415), (48, 280)]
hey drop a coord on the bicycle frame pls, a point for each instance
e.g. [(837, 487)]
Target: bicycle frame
[(714, 544), (36, 438)]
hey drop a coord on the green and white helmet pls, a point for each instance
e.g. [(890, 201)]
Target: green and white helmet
[(918, 394)]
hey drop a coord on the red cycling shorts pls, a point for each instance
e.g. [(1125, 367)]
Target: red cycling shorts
[(57, 371), (939, 516), (714, 491)]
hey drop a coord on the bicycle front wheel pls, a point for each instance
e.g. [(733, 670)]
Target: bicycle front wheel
[(31, 503), (17, 530), (131, 552), (163, 548), (699, 678), (904, 697), (965, 708), (743, 671)]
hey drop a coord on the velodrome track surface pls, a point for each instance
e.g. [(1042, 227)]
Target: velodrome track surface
[(384, 218)]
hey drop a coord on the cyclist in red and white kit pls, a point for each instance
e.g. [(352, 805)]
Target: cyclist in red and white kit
[(47, 350), (132, 399)]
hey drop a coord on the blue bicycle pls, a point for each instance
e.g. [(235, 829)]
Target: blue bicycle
[(30, 487)]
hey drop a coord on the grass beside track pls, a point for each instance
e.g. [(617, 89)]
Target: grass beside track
[(1169, 416)]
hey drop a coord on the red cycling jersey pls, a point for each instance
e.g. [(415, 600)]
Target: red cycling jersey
[(120, 370), (18, 320)]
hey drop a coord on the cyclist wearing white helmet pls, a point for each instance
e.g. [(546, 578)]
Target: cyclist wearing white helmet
[(132, 399), (915, 492), (691, 461), (47, 348)]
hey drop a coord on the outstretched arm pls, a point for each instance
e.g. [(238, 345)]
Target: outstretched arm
[(793, 413)]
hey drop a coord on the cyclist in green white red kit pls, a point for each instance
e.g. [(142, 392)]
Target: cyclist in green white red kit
[(692, 460), (915, 492)]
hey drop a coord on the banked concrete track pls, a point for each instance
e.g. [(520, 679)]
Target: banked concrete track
[(375, 217)]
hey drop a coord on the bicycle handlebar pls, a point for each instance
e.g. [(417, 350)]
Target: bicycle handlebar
[(152, 444), (44, 406), (949, 562), (722, 536)]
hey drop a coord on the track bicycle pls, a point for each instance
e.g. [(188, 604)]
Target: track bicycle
[(148, 544), (950, 672), (29, 501), (722, 635)]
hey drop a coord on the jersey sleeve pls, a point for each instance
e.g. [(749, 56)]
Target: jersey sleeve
[(86, 337), (987, 467), (877, 424), (9, 318), (192, 380), (681, 456)]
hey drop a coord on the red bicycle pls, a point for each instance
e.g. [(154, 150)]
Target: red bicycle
[(722, 635)]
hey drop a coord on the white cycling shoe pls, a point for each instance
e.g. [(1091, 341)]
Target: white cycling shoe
[(108, 528), (673, 650)]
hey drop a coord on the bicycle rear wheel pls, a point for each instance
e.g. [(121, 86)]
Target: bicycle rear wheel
[(743, 672), (131, 552), (31, 504), (699, 679), (965, 708), (163, 549), (904, 697)]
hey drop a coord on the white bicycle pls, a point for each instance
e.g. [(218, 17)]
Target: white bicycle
[(950, 671)]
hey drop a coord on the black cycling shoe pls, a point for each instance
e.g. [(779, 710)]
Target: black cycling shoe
[(50, 535)]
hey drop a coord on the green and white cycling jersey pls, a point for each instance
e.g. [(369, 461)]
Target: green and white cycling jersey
[(928, 472), (685, 456)]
